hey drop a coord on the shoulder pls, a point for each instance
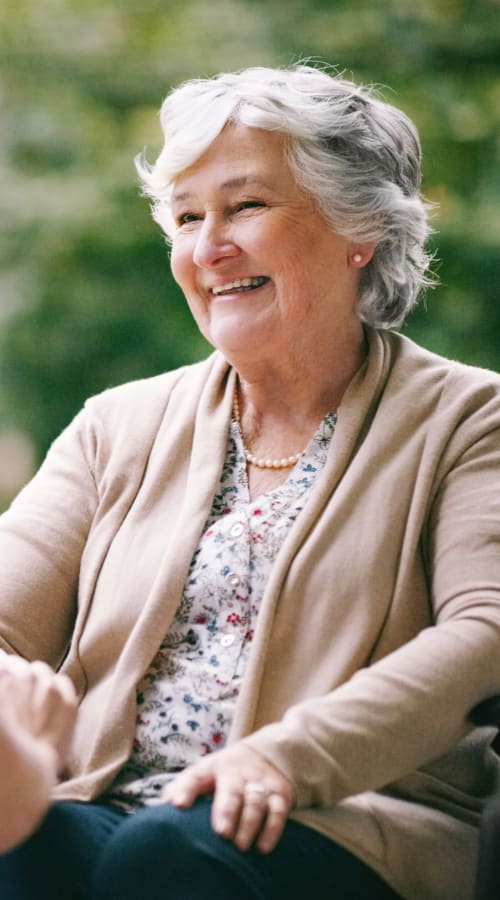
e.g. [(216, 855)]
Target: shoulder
[(427, 399), (123, 422), (449, 380), (148, 398)]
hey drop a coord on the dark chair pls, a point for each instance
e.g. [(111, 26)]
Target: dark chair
[(488, 870), (488, 713)]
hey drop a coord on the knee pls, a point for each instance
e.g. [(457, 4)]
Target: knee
[(164, 829), (53, 862), (151, 851)]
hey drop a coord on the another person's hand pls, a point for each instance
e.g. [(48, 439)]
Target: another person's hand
[(251, 798), (37, 713)]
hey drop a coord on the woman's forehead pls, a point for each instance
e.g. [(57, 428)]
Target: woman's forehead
[(239, 157)]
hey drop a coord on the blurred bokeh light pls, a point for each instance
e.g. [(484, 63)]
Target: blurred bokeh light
[(86, 298)]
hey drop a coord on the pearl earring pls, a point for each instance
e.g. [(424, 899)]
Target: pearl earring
[(357, 258)]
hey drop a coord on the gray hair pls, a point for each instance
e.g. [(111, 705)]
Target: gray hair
[(356, 155)]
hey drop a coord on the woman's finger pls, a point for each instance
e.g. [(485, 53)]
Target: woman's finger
[(17, 683), (195, 781), (45, 696), (253, 814), (53, 706), (227, 806), (42, 703), (278, 809), (59, 728)]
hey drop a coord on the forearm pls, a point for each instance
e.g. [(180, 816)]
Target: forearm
[(389, 719), (37, 713), (29, 772)]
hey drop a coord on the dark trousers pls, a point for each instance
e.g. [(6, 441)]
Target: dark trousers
[(488, 870), (96, 852)]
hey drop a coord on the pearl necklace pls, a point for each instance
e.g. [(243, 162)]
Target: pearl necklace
[(263, 462)]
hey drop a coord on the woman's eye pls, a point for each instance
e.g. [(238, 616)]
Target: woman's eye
[(187, 218), (249, 204)]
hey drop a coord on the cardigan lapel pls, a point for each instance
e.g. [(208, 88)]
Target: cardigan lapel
[(355, 413)]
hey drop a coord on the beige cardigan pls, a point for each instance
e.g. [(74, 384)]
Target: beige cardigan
[(379, 629)]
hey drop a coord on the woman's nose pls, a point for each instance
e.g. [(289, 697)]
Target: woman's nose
[(214, 242)]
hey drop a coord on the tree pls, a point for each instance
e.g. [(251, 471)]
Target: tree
[(86, 296)]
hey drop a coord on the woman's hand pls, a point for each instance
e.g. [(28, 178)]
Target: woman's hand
[(37, 713), (252, 799)]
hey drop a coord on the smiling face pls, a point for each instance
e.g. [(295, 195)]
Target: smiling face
[(263, 273)]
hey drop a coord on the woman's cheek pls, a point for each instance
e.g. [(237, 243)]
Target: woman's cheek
[(180, 261)]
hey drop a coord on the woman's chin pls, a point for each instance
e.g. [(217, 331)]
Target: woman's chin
[(241, 342), (236, 333)]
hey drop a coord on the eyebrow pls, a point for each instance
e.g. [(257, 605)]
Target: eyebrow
[(230, 184)]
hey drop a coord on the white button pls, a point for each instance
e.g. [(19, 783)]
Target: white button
[(237, 529), (227, 639), (233, 579)]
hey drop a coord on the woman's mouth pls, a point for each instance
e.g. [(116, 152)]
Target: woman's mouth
[(239, 285)]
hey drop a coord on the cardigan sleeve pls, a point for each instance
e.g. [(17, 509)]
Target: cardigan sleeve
[(42, 537), (54, 537), (411, 707), (56, 534)]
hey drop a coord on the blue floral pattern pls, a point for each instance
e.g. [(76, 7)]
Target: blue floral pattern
[(186, 700)]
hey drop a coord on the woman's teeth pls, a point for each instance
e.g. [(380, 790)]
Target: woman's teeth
[(241, 284)]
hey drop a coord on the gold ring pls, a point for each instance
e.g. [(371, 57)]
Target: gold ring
[(255, 787)]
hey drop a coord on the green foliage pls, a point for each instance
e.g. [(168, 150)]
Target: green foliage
[(87, 299)]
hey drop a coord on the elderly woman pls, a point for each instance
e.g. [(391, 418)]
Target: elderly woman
[(273, 576)]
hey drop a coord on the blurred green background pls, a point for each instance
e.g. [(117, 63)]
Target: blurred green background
[(86, 298)]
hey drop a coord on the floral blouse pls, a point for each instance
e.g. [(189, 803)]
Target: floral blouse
[(186, 699)]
